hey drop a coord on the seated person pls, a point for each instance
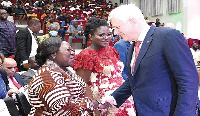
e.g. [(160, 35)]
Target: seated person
[(33, 67), (53, 31), (14, 79), (7, 5), (64, 25), (21, 13), (76, 31), (54, 90), (39, 4), (195, 53), (3, 91), (77, 18)]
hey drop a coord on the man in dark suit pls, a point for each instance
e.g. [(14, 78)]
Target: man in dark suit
[(163, 79), (26, 44), (14, 79), (122, 47)]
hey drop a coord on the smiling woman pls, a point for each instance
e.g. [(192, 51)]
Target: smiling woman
[(100, 67), (54, 90)]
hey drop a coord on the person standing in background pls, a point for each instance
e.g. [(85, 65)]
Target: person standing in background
[(122, 47), (26, 44), (195, 53), (7, 35)]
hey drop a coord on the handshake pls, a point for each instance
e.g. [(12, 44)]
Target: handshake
[(105, 103)]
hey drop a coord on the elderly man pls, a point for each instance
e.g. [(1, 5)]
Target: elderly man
[(162, 77), (53, 32), (76, 32)]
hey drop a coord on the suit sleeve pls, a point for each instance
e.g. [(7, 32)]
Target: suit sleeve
[(21, 38), (180, 60), (122, 93)]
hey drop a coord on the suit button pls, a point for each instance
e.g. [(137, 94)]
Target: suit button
[(133, 88)]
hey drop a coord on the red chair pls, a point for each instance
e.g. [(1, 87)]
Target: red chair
[(73, 40), (15, 18), (190, 41)]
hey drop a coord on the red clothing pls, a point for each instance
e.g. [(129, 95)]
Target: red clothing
[(106, 76)]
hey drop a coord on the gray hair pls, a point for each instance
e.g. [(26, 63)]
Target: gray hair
[(124, 12), (53, 26)]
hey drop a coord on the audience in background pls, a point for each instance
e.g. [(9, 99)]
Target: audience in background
[(7, 5), (53, 32), (21, 13), (7, 34)]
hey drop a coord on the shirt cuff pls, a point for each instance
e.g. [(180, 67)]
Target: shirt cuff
[(24, 62)]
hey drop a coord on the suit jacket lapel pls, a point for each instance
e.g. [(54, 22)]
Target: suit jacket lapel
[(129, 57), (145, 45)]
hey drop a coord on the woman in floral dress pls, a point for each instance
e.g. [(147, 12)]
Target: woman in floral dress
[(100, 68)]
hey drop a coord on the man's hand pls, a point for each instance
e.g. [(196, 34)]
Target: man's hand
[(26, 66), (12, 91)]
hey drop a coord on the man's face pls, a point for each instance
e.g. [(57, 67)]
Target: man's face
[(36, 28), (126, 29), (3, 15), (10, 68)]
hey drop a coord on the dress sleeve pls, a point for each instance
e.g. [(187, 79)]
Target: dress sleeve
[(84, 61)]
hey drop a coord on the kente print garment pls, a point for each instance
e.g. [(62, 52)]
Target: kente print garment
[(105, 78), (55, 92)]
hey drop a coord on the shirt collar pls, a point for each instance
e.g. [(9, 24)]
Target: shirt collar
[(30, 31)]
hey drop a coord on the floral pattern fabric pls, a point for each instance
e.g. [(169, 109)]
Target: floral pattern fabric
[(105, 78)]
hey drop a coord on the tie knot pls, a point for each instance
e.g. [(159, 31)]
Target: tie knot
[(11, 77), (137, 43)]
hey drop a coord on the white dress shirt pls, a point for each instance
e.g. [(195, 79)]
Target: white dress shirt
[(140, 38)]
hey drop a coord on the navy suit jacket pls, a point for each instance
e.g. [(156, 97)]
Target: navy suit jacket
[(165, 79), (122, 47), (18, 78)]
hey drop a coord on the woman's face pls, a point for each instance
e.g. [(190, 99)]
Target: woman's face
[(65, 55), (101, 37)]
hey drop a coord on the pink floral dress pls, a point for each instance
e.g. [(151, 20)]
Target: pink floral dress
[(105, 78)]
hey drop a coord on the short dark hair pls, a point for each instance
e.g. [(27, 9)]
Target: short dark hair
[(46, 48), (33, 22), (92, 25)]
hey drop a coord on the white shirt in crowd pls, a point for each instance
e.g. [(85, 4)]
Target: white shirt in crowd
[(196, 55)]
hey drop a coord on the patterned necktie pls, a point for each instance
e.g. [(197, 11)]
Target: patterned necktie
[(14, 82), (137, 50)]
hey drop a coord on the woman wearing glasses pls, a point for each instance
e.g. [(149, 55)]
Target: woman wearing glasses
[(54, 90), (100, 68)]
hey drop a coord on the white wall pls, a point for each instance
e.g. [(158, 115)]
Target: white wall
[(188, 20)]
